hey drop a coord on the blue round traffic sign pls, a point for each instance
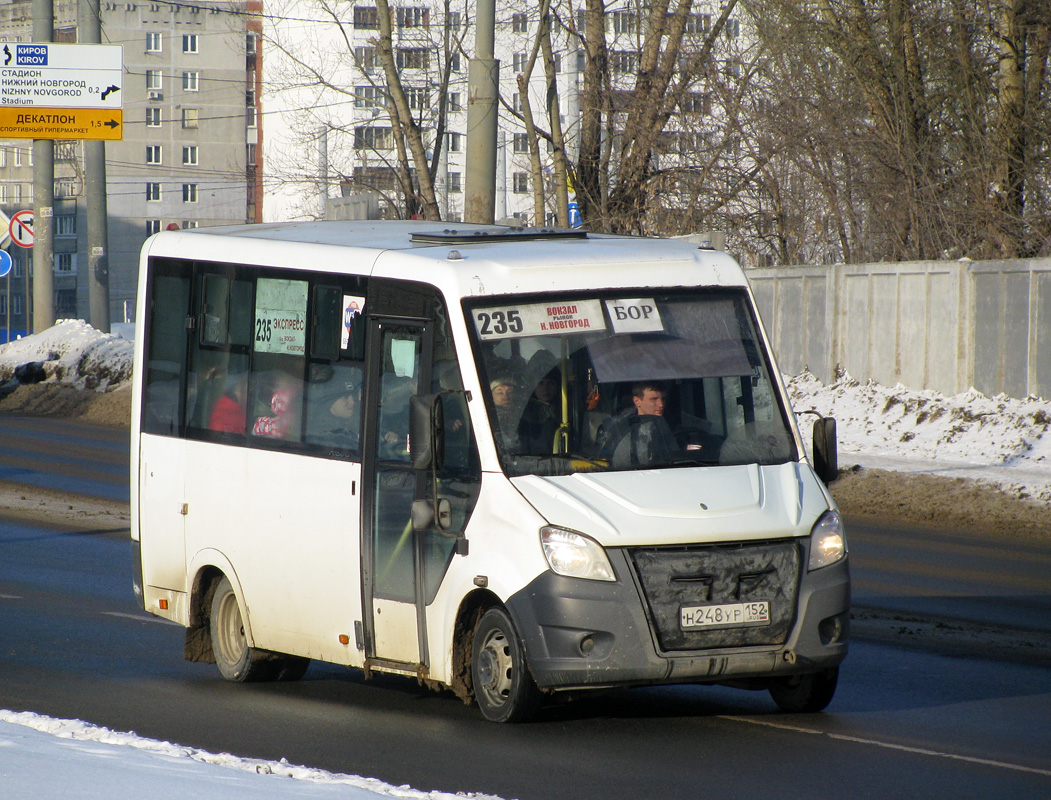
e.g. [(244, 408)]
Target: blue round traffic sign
[(5, 263)]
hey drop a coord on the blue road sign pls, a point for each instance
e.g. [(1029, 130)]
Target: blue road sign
[(5, 263)]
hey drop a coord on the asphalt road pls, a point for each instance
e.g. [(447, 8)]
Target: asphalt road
[(908, 720)]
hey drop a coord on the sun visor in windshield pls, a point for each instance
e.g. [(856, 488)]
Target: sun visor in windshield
[(634, 357)]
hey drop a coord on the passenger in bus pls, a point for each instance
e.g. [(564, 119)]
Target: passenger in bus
[(228, 414), (507, 415), (639, 436), (283, 420), (334, 420), (541, 416)]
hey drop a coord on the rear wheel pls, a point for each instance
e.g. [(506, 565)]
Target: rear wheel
[(236, 660), (804, 694), (503, 687)]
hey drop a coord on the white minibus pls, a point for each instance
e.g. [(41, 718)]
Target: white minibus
[(514, 463)]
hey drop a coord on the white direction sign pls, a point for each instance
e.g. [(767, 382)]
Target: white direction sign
[(22, 228), (61, 75), (5, 229)]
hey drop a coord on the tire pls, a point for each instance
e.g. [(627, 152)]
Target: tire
[(805, 694), (503, 687), (236, 660)]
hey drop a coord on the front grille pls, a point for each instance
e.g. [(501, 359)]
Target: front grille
[(672, 578)]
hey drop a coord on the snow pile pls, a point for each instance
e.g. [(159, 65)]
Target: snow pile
[(1000, 439), (103, 764), (72, 353)]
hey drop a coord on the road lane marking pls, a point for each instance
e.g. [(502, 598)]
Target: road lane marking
[(985, 762)]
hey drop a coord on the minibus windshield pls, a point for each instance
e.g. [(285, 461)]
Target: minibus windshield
[(651, 380)]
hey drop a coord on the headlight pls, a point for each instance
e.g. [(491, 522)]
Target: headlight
[(828, 544), (575, 555)]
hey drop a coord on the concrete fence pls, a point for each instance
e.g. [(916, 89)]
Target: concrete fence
[(943, 325)]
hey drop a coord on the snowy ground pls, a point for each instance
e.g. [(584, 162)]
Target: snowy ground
[(1000, 440)]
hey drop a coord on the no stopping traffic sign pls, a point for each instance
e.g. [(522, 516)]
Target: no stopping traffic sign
[(22, 228)]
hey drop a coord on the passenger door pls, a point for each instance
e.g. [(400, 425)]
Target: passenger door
[(399, 364)]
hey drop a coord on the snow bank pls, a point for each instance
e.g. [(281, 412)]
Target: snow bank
[(80, 760), (998, 439), (73, 353)]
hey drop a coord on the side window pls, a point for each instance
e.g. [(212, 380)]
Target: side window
[(165, 361), (216, 391), (336, 371)]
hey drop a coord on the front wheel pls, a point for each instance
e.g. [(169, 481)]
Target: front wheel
[(236, 660), (503, 687), (805, 694)]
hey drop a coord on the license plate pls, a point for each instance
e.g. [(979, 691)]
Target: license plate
[(730, 615)]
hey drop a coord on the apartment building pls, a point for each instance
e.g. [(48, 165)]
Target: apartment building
[(431, 40), (191, 153)]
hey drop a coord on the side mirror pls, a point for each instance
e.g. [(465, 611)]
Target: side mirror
[(426, 431), (826, 454)]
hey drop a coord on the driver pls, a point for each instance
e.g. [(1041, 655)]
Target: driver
[(639, 436)]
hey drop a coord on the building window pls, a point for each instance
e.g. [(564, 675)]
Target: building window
[(733, 28), (366, 18), (153, 117), (414, 17), (153, 80), (250, 117), (519, 23), (189, 192), (153, 43), (153, 154), (368, 137), (520, 61), (153, 192), (189, 81), (4, 199), (521, 143), (623, 21), (454, 183), (189, 155), (624, 61), (698, 23), (250, 44), (452, 21), (189, 223), (189, 117), (65, 225), (454, 61), (366, 58), (416, 97), (66, 188), (65, 263), (369, 96), (153, 226), (455, 103), (189, 43), (3, 157), (454, 141), (521, 182), (250, 150), (16, 193), (412, 57)]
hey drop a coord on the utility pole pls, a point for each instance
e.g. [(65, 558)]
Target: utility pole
[(43, 195), (483, 93), (89, 26)]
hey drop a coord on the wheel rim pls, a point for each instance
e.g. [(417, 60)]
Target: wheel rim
[(496, 668), (231, 633)]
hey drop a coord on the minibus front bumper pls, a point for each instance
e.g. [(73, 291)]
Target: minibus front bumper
[(590, 634)]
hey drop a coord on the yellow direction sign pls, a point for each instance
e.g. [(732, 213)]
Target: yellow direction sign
[(31, 122)]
